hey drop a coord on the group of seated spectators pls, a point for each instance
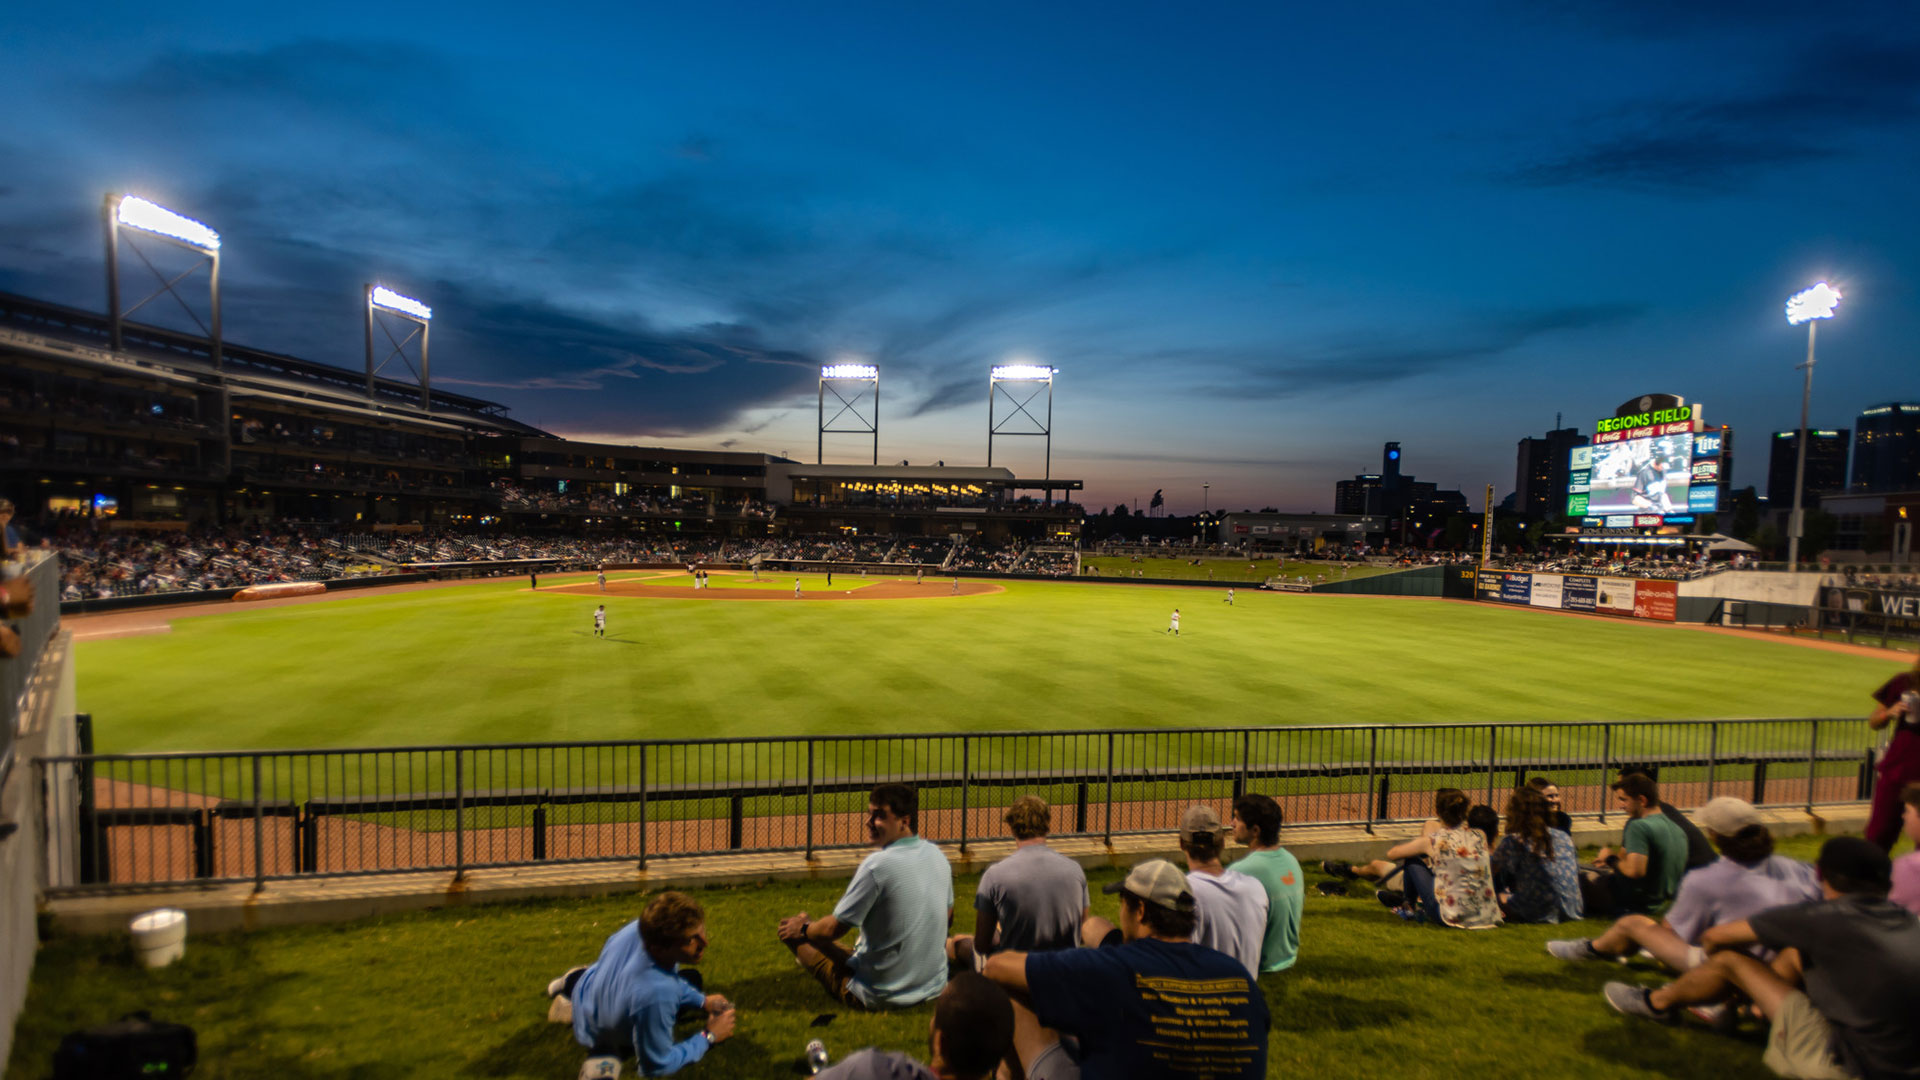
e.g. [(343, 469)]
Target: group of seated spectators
[(514, 496), (1042, 988), (101, 565), (1674, 567), (1853, 577)]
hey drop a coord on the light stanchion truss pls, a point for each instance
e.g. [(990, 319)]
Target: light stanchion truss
[(1016, 387), (384, 306), (130, 216), (856, 414)]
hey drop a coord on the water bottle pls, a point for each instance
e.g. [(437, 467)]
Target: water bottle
[(816, 1056)]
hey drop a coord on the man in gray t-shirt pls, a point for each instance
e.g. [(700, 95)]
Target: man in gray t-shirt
[(1033, 900)]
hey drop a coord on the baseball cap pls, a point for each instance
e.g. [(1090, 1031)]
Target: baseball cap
[(1727, 815), (1200, 819), (1857, 860), (1156, 881)]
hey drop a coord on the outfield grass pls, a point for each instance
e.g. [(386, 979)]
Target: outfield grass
[(493, 662), (458, 993)]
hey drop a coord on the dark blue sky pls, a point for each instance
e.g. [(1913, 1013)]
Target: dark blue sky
[(1258, 240)]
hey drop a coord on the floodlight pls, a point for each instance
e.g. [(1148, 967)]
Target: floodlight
[(1815, 303), (406, 305), (1016, 372), (138, 213), (849, 371)]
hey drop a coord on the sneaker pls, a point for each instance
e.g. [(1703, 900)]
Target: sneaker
[(559, 985), (1338, 868), (1333, 888), (560, 1010), (600, 1068), (1575, 949), (1409, 913), (1637, 1001), (1391, 897), (1721, 1018)]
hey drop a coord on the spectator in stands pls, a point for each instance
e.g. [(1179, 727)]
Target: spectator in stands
[(1840, 994), (1897, 703), (1535, 869), (901, 899), (1646, 870), (1033, 900), (1747, 880), (626, 1002), (1231, 908), (1559, 818), (971, 1031), (1906, 868), (1256, 823), (1157, 1005), (1699, 850)]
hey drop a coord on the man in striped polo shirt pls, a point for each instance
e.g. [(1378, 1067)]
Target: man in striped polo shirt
[(901, 899)]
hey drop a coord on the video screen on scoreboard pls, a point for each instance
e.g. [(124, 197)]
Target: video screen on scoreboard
[(1667, 476)]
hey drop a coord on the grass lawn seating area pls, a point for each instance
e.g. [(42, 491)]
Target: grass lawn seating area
[(459, 993)]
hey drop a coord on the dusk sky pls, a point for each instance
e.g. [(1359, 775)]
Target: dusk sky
[(1258, 240)]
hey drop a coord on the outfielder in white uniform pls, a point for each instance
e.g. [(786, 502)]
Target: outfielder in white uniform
[(600, 621), (1229, 595), (1173, 626)]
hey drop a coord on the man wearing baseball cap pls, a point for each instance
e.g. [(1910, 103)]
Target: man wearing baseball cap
[(1840, 993), (1232, 906), (1747, 880), (1157, 1005)]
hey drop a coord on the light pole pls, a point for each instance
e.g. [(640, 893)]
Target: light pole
[(1204, 504), (1806, 306)]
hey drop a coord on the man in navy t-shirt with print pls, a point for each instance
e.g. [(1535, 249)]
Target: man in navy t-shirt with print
[(1157, 1005)]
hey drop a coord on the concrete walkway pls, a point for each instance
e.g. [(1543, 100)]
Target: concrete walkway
[(236, 906)]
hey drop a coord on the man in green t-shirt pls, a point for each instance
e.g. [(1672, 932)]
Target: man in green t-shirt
[(1653, 849), (1256, 823)]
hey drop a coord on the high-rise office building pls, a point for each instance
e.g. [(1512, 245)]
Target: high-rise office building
[(1540, 472), (1886, 449), (1826, 466)]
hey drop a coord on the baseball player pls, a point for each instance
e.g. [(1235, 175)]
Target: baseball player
[(1229, 596), (1173, 625), (602, 579), (600, 621), (796, 588)]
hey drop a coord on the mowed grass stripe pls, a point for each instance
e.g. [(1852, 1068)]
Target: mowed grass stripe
[(494, 662)]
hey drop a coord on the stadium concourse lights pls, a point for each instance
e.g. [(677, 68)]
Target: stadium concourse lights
[(1806, 306)]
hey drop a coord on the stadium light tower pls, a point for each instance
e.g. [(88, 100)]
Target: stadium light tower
[(1806, 306), (384, 301), (835, 377), (131, 212), (1035, 378)]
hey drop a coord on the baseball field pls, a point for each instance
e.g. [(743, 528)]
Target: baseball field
[(496, 661)]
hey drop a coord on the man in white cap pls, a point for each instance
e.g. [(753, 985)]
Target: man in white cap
[(1232, 906), (1748, 879), (1157, 1005)]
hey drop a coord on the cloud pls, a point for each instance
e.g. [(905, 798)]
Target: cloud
[(1834, 92), (1370, 363)]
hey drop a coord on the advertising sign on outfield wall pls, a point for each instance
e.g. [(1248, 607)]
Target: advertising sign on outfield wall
[(1546, 591), (1656, 600), (1577, 593), (1574, 592)]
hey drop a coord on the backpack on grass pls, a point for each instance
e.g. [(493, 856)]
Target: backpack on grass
[(134, 1047)]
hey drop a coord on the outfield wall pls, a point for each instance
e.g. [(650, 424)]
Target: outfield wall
[(1418, 581)]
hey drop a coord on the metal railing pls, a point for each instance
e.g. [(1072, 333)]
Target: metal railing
[(35, 629), (130, 821)]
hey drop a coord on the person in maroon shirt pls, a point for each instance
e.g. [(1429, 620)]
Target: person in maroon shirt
[(1899, 701)]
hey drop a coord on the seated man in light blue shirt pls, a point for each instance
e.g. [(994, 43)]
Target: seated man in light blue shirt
[(901, 899), (627, 1001)]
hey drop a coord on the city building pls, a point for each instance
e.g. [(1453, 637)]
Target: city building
[(1405, 510), (1826, 466), (1540, 472), (1886, 449)]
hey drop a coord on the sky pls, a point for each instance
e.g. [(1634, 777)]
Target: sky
[(1257, 240)]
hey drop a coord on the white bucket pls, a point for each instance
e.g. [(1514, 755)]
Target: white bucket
[(160, 936)]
